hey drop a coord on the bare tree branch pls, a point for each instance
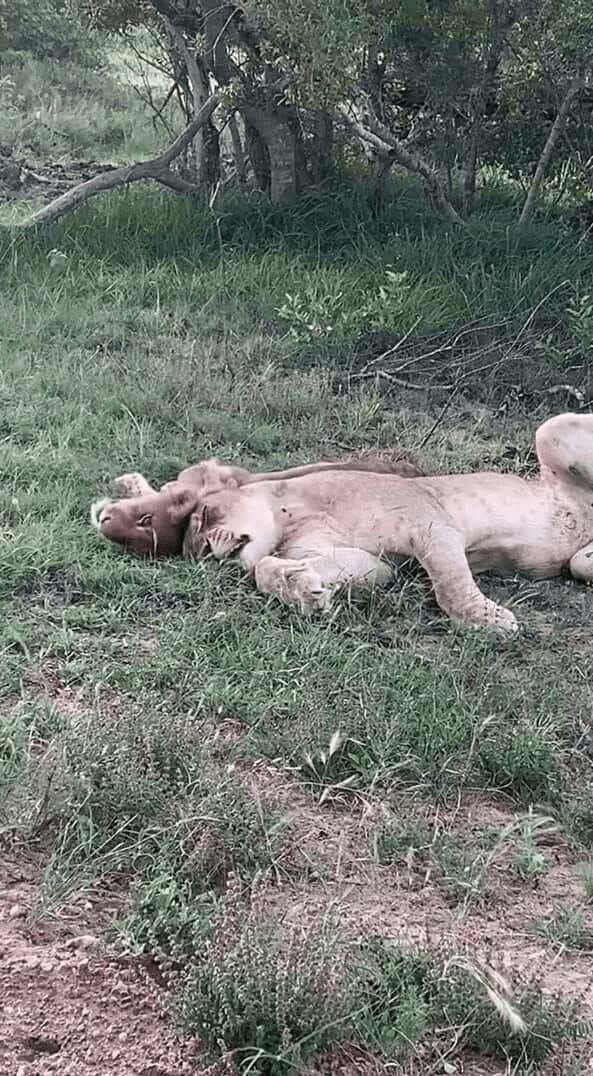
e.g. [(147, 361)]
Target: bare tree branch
[(158, 168), (198, 83), (543, 164), (386, 145)]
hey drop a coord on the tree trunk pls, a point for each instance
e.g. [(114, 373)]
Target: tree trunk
[(499, 24), (303, 179), (322, 161), (382, 169), (238, 154), (546, 156), (280, 144), (206, 157), (258, 157), (209, 169)]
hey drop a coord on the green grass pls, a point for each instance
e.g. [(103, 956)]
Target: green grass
[(66, 110), (270, 1001), (568, 927), (169, 337)]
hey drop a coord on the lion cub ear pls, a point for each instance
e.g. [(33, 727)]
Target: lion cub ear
[(182, 503)]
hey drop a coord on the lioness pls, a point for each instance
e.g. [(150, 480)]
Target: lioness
[(305, 537)]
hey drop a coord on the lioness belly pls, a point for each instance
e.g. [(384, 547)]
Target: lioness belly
[(538, 564), (538, 559)]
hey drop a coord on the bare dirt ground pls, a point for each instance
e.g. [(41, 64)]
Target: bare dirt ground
[(69, 1005), (408, 904), (73, 1005)]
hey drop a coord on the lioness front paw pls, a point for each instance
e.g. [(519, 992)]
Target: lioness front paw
[(500, 620), (294, 583), (131, 485), (306, 588)]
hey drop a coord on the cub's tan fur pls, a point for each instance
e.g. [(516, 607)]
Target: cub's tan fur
[(305, 537)]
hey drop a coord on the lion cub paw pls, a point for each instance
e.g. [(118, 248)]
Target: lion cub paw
[(131, 485), (294, 583)]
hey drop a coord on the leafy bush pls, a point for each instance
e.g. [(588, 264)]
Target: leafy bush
[(58, 30), (408, 991)]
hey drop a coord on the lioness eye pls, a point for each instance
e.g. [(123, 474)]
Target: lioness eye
[(144, 521)]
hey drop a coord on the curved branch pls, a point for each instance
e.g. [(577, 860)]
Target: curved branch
[(387, 146), (543, 164), (158, 168)]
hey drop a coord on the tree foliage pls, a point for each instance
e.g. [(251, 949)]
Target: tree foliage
[(56, 30), (436, 87)]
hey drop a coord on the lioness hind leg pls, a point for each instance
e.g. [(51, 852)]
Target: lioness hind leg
[(581, 565), (441, 552), (564, 446)]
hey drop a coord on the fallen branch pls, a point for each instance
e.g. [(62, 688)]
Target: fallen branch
[(570, 390), (158, 168)]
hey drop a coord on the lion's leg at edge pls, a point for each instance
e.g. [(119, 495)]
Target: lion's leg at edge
[(441, 552), (564, 446), (132, 485)]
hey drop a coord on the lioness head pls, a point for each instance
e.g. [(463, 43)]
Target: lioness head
[(152, 525)]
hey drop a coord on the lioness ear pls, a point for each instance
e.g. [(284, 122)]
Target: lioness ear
[(182, 503)]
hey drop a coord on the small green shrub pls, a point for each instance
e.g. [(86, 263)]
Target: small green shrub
[(522, 759), (586, 872), (273, 1000), (394, 842), (567, 927), (397, 989), (168, 912), (409, 991)]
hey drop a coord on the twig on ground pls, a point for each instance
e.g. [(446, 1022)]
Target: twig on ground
[(439, 418), (390, 351)]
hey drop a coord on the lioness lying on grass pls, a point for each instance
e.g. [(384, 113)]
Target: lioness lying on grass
[(305, 537)]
